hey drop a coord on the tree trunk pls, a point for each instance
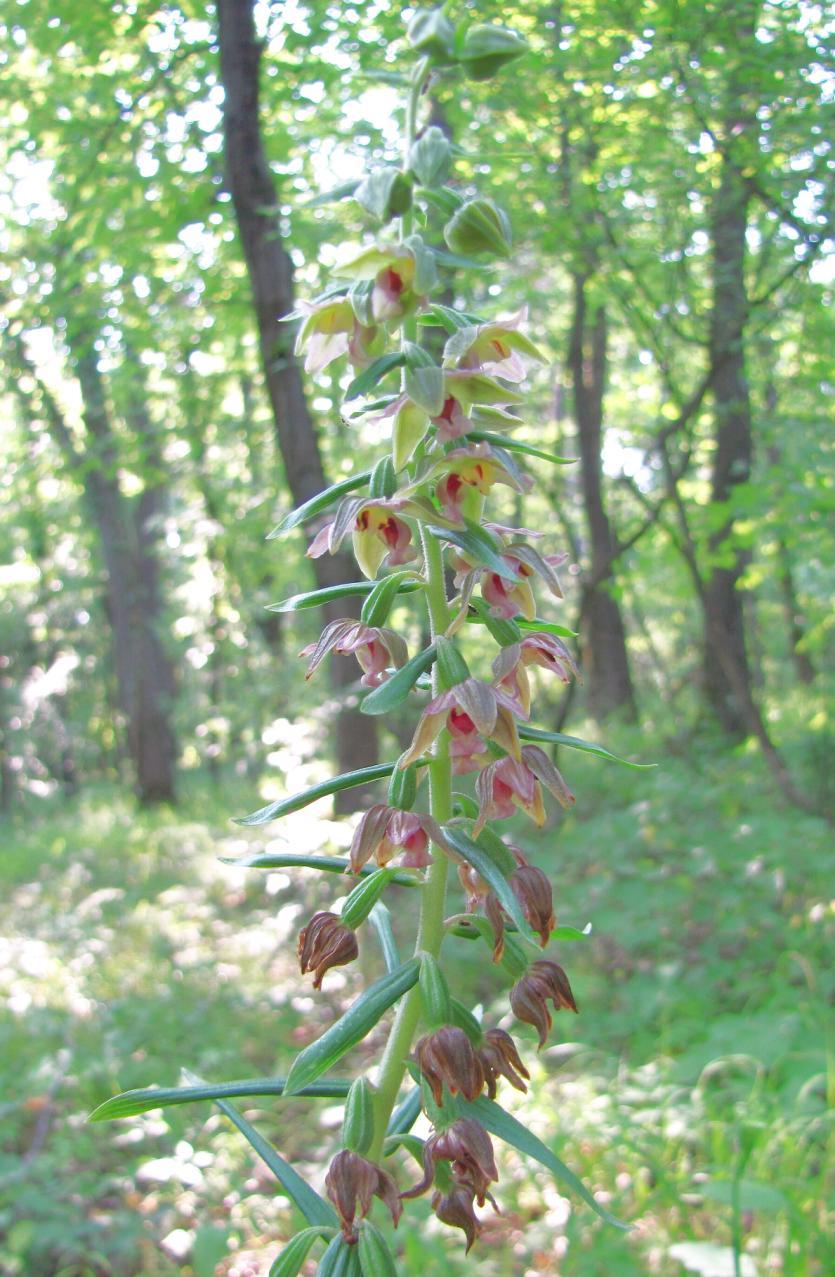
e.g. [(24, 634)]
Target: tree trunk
[(134, 598), (795, 623), (271, 279), (603, 639), (724, 616)]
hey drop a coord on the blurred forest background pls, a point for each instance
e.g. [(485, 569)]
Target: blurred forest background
[(667, 170)]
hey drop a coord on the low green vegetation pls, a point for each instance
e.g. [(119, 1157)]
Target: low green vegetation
[(690, 1094)]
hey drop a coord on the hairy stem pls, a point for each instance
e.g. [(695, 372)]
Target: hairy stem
[(433, 896)]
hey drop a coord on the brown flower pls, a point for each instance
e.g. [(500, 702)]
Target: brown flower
[(456, 1208), (447, 1056), (468, 1148), (542, 983), (383, 831), (499, 1058), (351, 1182), (325, 943)]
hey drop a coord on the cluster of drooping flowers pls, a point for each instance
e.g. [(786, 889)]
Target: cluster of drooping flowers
[(421, 533)]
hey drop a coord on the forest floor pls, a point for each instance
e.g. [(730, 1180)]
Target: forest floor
[(690, 1094)]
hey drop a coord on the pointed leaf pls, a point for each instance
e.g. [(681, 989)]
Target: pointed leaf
[(380, 919), (515, 445), (574, 742), (289, 1262), (351, 1027), (507, 1128), (406, 1114), (284, 806), (320, 502), (314, 1208), (447, 317), (425, 387), (397, 688), (146, 1099), (370, 376), (381, 597), (339, 1260), (545, 627), (486, 868), (374, 1252), (315, 598), (480, 545), (336, 193), (298, 860)]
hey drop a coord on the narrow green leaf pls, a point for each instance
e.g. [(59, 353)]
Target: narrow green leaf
[(341, 192), (480, 545), (380, 919), (507, 1128), (515, 445), (315, 598), (146, 1099), (284, 806), (320, 502), (406, 1114), (397, 688), (380, 601), (447, 317), (351, 1027), (298, 860), (314, 1208), (464, 1019), (498, 851), (289, 1262), (574, 742), (545, 627), (375, 372), (487, 869), (571, 933), (465, 805)]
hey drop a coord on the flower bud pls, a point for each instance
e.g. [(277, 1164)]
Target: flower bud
[(468, 1148), (532, 889), (529, 997), (499, 1058), (479, 226), (432, 34), (447, 1056), (429, 157), (358, 1118), (486, 49), (325, 943), (456, 1209), (434, 991), (351, 1182), (385, 193)]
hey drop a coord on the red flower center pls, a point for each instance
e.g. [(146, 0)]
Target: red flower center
[(460, 723)]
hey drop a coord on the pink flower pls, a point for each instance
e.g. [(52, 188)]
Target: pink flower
[(384, 831), (470, 468), (469, 709), (510, 782), (493, 348), (375, 649), (332, 329), (452, 422), (377, 533)]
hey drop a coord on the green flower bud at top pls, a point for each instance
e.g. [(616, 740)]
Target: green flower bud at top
[(479, 226), (358, 1118), (385, 193), (429, 157), (485, 50), (432, 34)]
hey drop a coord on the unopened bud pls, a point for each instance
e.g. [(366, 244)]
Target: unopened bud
[(358, 1118), (479, 226), (487, 49), (432, 34), (324, 943)]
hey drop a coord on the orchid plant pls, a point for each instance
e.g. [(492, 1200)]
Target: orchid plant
[(422, 534)]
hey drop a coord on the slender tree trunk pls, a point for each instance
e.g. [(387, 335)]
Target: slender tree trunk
[(724, 614), (134, 598), (271, 279), (603, 638), (795, 623)]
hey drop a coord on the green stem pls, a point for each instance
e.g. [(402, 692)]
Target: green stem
[(433, 896)]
